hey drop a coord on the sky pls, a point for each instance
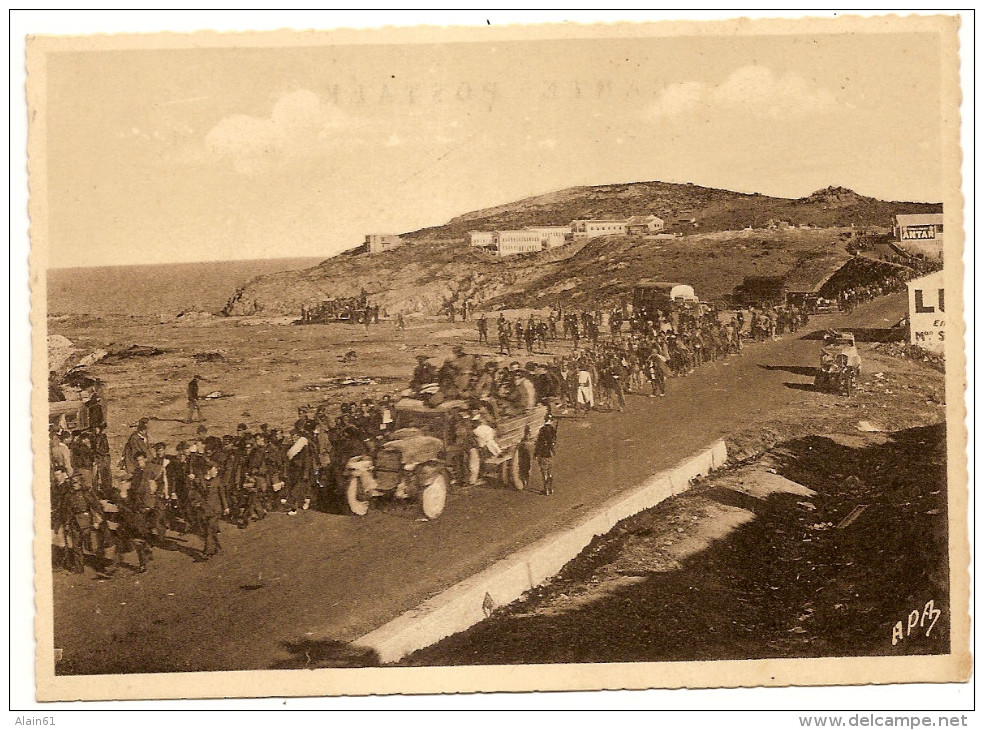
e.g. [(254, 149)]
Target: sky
[(232, 153)]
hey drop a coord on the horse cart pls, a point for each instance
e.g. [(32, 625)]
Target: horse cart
[(412, 465)]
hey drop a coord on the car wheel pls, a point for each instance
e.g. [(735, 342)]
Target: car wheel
[(355, 497), (519, 469), (434, 496)]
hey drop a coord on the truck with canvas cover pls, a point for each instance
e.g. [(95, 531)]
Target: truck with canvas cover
[(650, 296)]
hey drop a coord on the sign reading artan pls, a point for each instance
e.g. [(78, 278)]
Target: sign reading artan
[(927, 318)]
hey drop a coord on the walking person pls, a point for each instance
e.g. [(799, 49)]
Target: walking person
[(206, 501), (585, 389), (544, 450), (193, 407), (136, 445), (483, 330)]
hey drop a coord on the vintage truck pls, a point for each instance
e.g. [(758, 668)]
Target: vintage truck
[(412, 465)]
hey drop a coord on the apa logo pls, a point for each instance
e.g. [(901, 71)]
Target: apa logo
[(916, 620)]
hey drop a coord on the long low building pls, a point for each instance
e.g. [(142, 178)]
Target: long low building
[(508, 243), (595, 227), (480, 239), (552, 236), (523, 240)]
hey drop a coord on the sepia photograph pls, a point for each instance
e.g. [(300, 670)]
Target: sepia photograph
[(502, 358)]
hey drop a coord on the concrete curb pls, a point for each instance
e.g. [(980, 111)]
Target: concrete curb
[(465, 604)]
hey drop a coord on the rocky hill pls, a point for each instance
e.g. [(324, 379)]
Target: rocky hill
[(715, 254), (683, 207)]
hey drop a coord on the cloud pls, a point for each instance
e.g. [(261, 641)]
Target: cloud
[(299, 125), (754, 90)]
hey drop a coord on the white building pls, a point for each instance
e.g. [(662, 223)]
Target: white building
[(481, 239), (644, 224), (927, 319), (637, 224), (552, 236), (594, 227), (507, 243), (379, 242)]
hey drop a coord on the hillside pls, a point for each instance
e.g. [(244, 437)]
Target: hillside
[(714, 256), (420, 278), (710, 208)]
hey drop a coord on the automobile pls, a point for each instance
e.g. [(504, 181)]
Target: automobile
[(409, 467), (840, 363), (412, 467)]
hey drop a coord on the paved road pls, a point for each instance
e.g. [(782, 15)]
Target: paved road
[(290, 588)]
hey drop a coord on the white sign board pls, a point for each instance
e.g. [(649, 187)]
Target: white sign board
[(927, 318)]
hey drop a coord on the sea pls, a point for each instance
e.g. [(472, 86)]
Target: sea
[(157, 289)]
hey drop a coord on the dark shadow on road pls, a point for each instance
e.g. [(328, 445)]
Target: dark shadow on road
[(866, 334), (808, 387), (732, 498), (804, 370), (311, 654)]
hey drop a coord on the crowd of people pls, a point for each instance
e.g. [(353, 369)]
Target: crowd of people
[(108, 510), (190, 488), (850, 297), (156, 490)]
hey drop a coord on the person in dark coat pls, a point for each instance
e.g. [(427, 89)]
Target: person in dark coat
[(177, 480), (103, 461), (82, 516), (95, 413), (138, 514), (138, 444), (83, 460), (193, 396), (543, 452), (300, 470), (207, 502)]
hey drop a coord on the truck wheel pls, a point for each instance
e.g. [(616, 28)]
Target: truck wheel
[(434, 496), (354, 496), (512, 472)]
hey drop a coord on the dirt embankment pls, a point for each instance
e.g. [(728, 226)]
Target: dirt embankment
[(421, 277)]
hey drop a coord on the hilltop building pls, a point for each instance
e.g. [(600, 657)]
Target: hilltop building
[(481, 239), (523, 240), (644, 225), (552, 236), (592, 228), (507, 243), (379, 242), (637, 224)]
